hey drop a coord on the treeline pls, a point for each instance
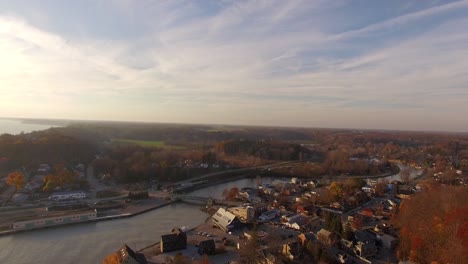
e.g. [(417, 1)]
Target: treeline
[(268, 150), (50, 146), (129, 164), (175, 134)]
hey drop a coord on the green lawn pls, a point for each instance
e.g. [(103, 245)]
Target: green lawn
[(143, 143), (146, 143)]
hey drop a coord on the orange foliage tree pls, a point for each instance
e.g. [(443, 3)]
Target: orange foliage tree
[(16, 179), (231, 194), (59, 178), (113, 258), (434, 226)]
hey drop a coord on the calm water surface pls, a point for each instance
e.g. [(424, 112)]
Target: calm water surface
[(90, 243), (15, 127)]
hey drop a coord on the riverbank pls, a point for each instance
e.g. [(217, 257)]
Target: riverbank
[(138, 208)]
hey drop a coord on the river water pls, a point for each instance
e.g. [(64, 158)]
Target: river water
[(14, 127), (91, 242)]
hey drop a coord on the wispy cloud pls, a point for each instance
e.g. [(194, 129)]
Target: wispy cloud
[(250, 62)]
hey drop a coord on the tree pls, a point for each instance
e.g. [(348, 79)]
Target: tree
[(348, 232), (231, 194), (405, 175), (380, 188), (314, 249), (336, 189), (204, 260), (113, 258), (333, 223), (16, 179), (433, 226), (181, 259), (352, 184), (249, 252)]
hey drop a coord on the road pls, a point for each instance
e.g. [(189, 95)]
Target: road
[(371, 203), (209, 175)]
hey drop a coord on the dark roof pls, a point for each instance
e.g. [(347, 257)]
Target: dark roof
[(365, 236), (126, 250), (207, 243), (169, 238)]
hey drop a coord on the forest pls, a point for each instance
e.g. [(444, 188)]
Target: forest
[(205, 148)]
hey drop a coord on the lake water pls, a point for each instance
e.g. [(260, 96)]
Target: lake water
[(14, 127)]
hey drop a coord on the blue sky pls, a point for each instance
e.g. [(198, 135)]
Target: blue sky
[(355, 64)]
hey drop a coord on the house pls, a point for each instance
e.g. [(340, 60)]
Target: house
[(311, 184), (128, 256), (297, 222), (175, 241), (326, 237), (58, 196), (367, 189), (365, 237), (388, 241), (346, 245), (405, 194), (307, 209), (365, 244), (207, 247), (365, 250), (367, 212), (292, 250), (225, 220), (247, 193), (304, 238)]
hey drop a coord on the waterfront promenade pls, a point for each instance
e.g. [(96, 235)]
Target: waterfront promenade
[(135, 208)]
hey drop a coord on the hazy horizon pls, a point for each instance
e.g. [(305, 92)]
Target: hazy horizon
[(399, 65), (51, 122)]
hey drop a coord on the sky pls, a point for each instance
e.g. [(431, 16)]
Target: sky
[(313, 63)]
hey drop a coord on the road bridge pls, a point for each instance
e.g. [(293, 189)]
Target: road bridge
[(204, 200)]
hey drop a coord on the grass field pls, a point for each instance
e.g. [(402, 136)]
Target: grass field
[(146, 143), (143, 143)]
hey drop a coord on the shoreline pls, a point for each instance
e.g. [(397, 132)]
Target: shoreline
[(190, 189), (98, 219)]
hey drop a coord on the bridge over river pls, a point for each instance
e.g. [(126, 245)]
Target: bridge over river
[(204, 200)]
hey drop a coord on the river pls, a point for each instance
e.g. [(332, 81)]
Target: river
[(17, 126), (91, 242)]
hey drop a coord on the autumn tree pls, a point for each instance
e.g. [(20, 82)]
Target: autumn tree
[(380, 188), (353, 184), (333, 223), (204, 260), (181, 259), (405, 175), (15, 179), (336, 188), (249, 252), (113, 258), (231, 194), (433, 226), (315, 250), (348, 232)]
